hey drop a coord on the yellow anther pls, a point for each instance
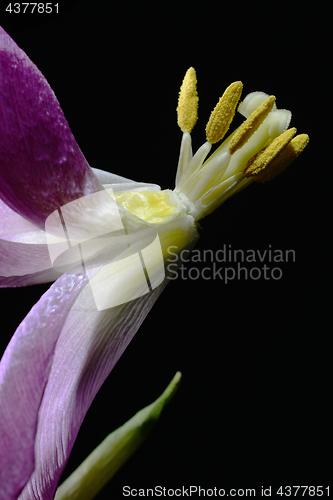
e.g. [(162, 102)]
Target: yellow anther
[(187, 109), (244, 132), (223, 113), (260, 161), (284, 159)]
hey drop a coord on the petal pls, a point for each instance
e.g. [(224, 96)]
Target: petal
[(46, 276), (16, 228), (98, 339), (122, 184), (108, 178), (17, 259), (23, 251), (24, 371), (42, 167), (24, 255)]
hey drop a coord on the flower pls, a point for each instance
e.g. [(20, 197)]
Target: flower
[(67, 345)]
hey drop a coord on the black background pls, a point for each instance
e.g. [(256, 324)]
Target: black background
[(254, 404)]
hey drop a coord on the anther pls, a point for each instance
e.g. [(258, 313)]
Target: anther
[(293, 149), (261, 160), (223, 113), (247, 129), (187, 109)]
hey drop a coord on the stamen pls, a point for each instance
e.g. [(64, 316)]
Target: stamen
[(208, 177), (193, 166), (284, 159), (187, 109), (185, 154), (223, 113), (261, 160), (247, 129)]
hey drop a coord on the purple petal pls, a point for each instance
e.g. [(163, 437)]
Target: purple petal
[(42, 167), (50, 373), (24, 371)]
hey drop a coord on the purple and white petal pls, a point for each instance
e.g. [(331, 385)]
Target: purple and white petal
[(122, 184), (46, 276), (19, 259), (17, 229), (51, 371), (42, 166), (24, 373), (23, 251)]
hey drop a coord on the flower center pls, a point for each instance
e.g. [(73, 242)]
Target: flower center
[(155, 207)]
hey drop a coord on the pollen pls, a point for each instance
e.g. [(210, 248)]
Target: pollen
[(247, 129), (293, 149), (260, 161), (223, 113), (187, 109)]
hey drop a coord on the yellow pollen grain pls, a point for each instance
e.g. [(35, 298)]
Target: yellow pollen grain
[(187, 110), (293, 149), (261, 160), (245, 131), (223, 113)]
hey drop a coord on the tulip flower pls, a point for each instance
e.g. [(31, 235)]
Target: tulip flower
[(103, 239)]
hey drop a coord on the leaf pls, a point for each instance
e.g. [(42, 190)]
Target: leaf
[(101, 465)]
